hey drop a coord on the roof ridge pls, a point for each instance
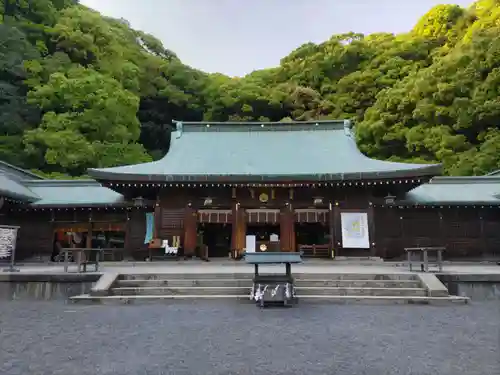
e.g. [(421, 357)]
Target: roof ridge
[(494, 173), (52, 182), (217, 126), (20, 170), (443, 180), (342, 121)]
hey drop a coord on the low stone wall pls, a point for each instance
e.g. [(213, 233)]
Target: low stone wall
[(478, 287), (18, 286)]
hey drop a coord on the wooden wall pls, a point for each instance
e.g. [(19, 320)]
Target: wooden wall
[(465, 231), (37, 227), (250, 197), (471, 232), (35, 235)]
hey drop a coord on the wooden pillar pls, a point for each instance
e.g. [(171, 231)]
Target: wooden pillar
[(371, 229), (287, 229), (190, 230), (127, 246), (293, 239), (331, 230), (234, 227), (88, 242), (241, 230), (337, 229), (238, 230), (482, 237), (442, 230), (157, 220), (283, 230)]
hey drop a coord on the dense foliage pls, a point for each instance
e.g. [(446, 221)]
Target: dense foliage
[(79, 90)]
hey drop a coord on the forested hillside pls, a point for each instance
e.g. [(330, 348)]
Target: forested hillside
[(80, 90)]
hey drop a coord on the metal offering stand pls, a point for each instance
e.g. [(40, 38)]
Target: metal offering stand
[(273, 289)]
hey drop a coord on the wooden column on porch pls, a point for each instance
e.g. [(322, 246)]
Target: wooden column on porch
[(157, 219), (371, 230), (331, 230), (287, 229), (190, 230), (337, 230), (238, 236)]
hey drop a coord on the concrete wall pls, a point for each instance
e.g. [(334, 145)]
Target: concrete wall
[(477, 287), (44, 287)]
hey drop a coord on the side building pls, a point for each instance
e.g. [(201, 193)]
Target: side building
[(289, 186), (47, 210)]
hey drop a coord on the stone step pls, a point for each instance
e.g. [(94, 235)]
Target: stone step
[(186, 276), (247, 276), (185, 290), (358, 283), (248, 283), (300, 291), (305, 299), (352, 291)]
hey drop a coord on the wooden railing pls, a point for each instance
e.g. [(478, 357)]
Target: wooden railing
[(315, 251)]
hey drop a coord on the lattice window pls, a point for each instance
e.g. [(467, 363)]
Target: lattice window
[(263, 216), (311, 216), (172, 218), (215, 216)]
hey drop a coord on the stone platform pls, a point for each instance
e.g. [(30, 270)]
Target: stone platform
[(327, 280), (229, 266)]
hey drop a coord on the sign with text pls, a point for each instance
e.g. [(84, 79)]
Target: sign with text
[(355, 234), (8, 239)]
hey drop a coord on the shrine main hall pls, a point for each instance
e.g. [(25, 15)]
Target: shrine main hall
[(288, 186)]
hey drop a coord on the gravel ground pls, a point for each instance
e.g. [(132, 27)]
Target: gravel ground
[(42, 338)]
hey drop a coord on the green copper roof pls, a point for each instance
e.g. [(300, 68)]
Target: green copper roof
[(301, 151), (11, 185), (10, 188), (16, 183), (17, 173), (458, 191), (79, 193)]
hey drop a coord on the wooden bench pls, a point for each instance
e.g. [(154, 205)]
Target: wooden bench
[(82, 258), (423, 253)]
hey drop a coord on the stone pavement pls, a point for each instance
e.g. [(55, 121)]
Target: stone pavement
[(228, 337), (229, 266)]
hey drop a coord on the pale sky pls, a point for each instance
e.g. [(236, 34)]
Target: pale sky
[(236, 37)]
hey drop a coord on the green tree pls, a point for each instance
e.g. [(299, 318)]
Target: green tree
[(89, 120), (16, 115)]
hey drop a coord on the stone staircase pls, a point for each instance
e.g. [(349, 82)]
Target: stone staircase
[(338, 287)]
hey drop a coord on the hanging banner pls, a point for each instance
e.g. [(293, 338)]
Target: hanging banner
[(355, 233), (8, 239), (150, 222)]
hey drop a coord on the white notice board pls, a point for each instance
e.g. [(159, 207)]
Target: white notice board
[(250, 244), (355, 234)]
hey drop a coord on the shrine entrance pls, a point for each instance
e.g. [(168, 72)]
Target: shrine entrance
[(266, 236), (214, 232), (216, 238), (313, 232), (264, 224)]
